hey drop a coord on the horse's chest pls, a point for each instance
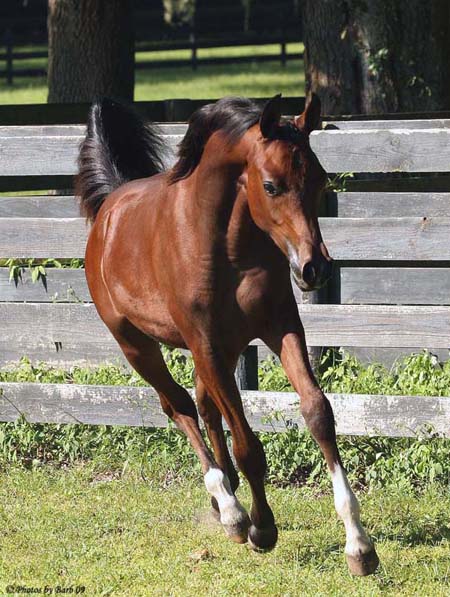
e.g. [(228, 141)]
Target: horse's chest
[(253, 292)]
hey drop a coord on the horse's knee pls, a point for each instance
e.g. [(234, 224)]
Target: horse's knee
[(179, 404), (318, 415)]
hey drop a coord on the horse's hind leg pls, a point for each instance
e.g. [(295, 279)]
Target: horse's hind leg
[(212, 418), (214, 370), (145, 356)]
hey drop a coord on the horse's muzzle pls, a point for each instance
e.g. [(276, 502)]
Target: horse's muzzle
[(313, 275)]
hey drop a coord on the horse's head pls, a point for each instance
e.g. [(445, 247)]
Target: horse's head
[(285, 182)]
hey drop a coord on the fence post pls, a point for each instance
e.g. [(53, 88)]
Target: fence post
[(193, 50), (283, 52), (9, 56), (283, 55), (247, 369)]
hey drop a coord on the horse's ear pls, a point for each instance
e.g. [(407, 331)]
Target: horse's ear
[(310, 119), (270, 117)]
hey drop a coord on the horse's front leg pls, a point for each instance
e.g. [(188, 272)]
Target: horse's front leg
[(288, 342), (221, 386)]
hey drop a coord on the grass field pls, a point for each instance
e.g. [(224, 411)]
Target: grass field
[(121, 535), (251, 80)]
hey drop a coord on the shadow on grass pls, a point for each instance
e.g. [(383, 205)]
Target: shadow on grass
[(425, 535)]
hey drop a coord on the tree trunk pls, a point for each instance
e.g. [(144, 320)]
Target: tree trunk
[(363, 56), (91, 50)]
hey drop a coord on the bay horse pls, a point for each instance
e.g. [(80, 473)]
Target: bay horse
[(199, 257)]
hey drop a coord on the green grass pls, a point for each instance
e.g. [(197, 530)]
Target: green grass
[(251, 80), (122, 535)]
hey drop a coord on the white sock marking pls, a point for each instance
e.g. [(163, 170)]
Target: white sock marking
[(347, 507), (218, 485)]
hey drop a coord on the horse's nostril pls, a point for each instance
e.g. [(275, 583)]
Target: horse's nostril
[(309, 273)]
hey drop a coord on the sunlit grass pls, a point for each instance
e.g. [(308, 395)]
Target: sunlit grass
[(122, 535), (249, 79), (291, 48)]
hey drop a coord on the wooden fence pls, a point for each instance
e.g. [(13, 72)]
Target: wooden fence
[(12, 58), (390, 291), (215, 24)]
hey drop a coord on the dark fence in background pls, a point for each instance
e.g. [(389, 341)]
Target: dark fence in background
[(171, 110), (214, 25)]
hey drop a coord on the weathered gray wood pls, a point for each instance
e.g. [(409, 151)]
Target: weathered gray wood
[(388, 205), (70, 403), (352, 239), (376, 325), (384, 239), (46, 130), (120, 405), (348, 205), (66, 333), (43, 206), (64, 130), (38, 155), (416, 124), (395, 286), (60, 285), (42, 237), (355, 414), (51, 155), (389, 150)]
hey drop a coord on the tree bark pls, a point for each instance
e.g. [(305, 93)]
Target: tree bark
[(363, 56), (91, 50)]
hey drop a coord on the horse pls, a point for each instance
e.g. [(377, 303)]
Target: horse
[(200, 256)]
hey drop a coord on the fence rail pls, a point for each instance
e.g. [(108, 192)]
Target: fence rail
[(390, 291), (348, 239), (193, 44), (362, 414), (63, 333)]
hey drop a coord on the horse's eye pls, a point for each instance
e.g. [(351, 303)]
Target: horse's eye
[(270, 188)]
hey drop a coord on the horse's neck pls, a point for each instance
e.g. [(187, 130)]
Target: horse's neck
[(221, 210), (247, 245)]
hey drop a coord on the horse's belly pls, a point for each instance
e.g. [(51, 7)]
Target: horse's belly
[(149, 314), (155, 321)]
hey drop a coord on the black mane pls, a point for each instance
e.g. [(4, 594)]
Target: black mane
[(232, 115)]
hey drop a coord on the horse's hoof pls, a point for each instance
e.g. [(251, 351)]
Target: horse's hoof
[(262, 539), (363, 564), (238, 532)]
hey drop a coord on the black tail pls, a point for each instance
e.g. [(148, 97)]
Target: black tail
[(118, 147)]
